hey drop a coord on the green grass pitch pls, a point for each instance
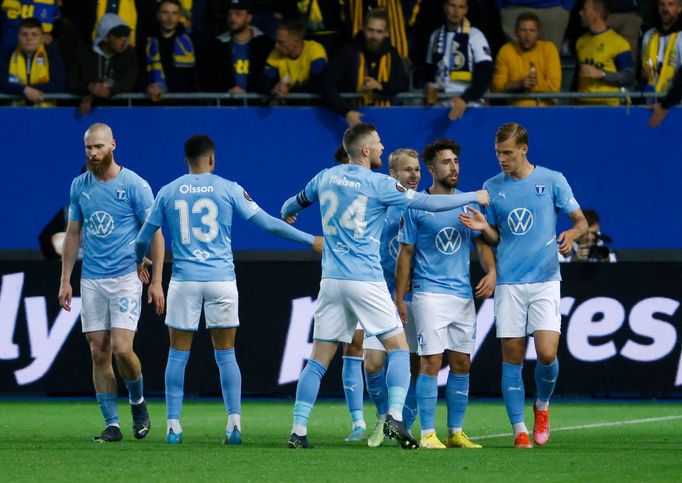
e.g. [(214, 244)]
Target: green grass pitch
[(590, 442)]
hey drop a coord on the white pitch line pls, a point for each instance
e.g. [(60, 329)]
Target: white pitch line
[(591, 426)]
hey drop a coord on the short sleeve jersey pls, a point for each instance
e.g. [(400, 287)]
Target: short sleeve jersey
[(112, 213), (198, 209), (442, 246), (525, 213)]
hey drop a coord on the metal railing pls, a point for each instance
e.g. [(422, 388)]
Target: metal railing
[(404, 98)]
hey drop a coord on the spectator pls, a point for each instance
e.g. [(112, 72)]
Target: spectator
[(125, 9), (604, 58), (458, 59), (528, 65), (357, 9), (295, 64), (624, 18), (662, 47), (323, 21), (12, 12), (109, 67), (33, 68), (591, 247), (370, 65), (673, 97), (170, 54), (553, 15), (235, 61)]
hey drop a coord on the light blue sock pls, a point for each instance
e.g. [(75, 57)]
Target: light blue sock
[(513, 391), (175, 382), (230, 380), (353, 387), (135, 390), (410, 408), (427, 399), (377, 390), (306, 391), (456, 398), (397, 381), (108, 404), (545, 379)]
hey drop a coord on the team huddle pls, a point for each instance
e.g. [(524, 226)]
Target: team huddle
[(395, 280)]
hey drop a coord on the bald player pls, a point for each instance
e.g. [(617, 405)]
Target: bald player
[(108, 204)]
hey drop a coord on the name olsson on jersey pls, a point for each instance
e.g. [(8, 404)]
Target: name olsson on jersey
[(345, 182), (190, 188)]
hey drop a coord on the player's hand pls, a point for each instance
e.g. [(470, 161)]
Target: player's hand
[(64, 297), (474, 219), (486, 286), (483, 197), (565, 241), (318, 245), (353, 117), (658, 113), (142, 272), (402, 310), (459, 105), (155, 295), (291, 219)]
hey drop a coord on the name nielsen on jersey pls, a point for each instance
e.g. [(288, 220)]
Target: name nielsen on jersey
[(190, 188), (344, 182)]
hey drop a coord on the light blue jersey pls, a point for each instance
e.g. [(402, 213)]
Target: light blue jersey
[(525, 213), (353, 203), (442, 246), (198, 209), (112, 213), (390, 246)]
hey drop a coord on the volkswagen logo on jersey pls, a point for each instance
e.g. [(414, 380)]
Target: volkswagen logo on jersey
[(393, 247), (540, 189), (101, 224), (520, 221), (448, 240)]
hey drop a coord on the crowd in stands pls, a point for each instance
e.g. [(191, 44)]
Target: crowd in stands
[(455, 50)]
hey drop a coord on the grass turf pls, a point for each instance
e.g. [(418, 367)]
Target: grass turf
[(51, 441)]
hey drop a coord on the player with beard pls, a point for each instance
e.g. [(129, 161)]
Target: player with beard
[(353, 202), (111, 203), (442, 299), (369, 65)]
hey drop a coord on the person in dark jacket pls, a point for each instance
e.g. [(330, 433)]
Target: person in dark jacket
[(33, 68), (369, 65), (236, 59), (109, 67)]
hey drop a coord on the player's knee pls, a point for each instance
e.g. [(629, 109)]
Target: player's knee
[(373, 366), (123, 351), (430, 365), (352, 350), (99, 356), (546, 356)]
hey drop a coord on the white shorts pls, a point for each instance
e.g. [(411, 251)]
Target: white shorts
[(219, 299), (373, 343), (110, 303), (443, 322), (341, 304), (521, 309)]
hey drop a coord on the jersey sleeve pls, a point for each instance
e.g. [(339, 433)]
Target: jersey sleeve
[(480, 47), (563, 195), (75, 212), (156, 215), (391, 193), (243, 203), (143, 199), (311, 193), (407, 232)]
